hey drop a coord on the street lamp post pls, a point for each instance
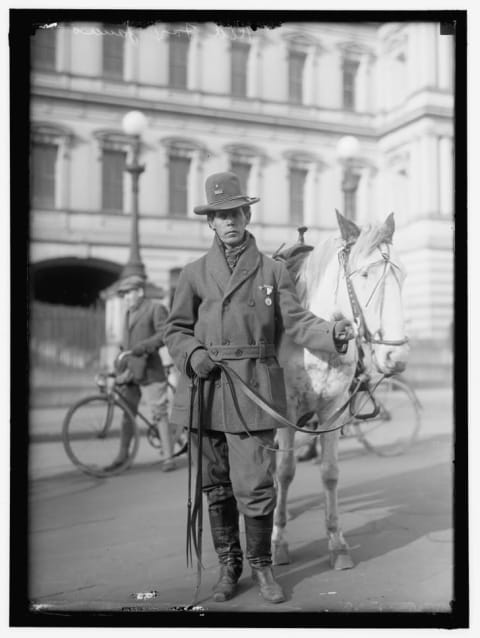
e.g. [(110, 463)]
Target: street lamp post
[(133, 124), (348, 149)]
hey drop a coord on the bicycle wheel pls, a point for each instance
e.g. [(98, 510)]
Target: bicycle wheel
[(91, 435), (398, 422)]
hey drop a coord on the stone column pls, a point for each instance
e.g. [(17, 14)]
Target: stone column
[(254, 69), (416, 179), (163, 182), (195, 181), (195, 61), (446, 176), (309, 77), (311, 196), (62, 181), (430, 176), (255, 186), (445, 61), (64, 53), (130, 69)]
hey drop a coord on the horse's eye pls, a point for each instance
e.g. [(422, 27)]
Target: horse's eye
[(364, 273)]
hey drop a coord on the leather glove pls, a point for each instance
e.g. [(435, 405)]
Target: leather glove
[(201, 363), (343, 331), (124, 377)]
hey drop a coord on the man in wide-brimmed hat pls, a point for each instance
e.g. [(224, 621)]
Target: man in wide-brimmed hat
[(143, 373), (230, 305)]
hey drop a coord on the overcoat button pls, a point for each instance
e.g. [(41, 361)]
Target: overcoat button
[(251, 302), (238, 352), (215, 352)]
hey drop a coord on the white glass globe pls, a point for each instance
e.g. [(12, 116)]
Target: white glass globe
[(348, 147), (134, 122)]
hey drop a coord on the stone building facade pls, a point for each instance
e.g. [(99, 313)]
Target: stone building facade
[(270, 104)]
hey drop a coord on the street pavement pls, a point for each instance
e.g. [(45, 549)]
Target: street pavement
[(117, 544), (47, 457)]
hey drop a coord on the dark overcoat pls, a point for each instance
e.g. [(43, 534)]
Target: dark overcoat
[(145, 326), (234, 315)]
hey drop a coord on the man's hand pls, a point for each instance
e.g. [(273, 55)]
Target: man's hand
[(138, 351), (201, 363), (343, 331)]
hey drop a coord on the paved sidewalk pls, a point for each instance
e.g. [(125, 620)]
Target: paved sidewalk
[(47, 458)]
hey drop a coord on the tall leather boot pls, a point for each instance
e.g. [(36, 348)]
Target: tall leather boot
[(226, 540), (259, 554)]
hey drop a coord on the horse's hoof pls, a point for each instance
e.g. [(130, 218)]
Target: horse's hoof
[(280, 555), (341, 560)]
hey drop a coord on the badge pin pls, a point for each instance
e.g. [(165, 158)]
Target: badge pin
[(268, 291), (218, 190)]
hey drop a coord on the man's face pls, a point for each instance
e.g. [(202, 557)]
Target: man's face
[(133, 297), (230, 225)]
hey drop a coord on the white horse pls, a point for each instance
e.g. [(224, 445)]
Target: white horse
[(319, 382)]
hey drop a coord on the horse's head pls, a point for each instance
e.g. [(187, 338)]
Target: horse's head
[(374, 275)]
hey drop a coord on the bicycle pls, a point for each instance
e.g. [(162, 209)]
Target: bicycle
[(91, 428), (384, 416)]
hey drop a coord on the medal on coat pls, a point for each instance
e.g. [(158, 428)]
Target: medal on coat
[(268, 291)]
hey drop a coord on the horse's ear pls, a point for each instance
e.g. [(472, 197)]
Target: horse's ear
[(348, 229), (388, 229)]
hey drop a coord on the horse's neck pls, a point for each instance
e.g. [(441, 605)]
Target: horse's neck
[(323, 290)]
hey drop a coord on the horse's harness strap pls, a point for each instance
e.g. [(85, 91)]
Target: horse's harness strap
[(358, 315)]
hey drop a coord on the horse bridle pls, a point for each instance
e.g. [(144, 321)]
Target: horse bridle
[(358, 315)]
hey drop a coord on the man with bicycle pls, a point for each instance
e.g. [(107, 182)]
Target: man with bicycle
[(230, 306), (142, 371)]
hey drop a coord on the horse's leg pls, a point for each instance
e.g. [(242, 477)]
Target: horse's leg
[(337, 546), (285, 471)]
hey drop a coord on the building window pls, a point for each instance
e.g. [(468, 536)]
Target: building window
[(242, 171), (350, 68), (44, 49), (113, 52), (43, 170), (298, 177), (113, 167), (296, 63), (178, 52), (179, 168), (240, 52)]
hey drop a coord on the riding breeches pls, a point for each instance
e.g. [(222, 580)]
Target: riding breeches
[(239, 464)]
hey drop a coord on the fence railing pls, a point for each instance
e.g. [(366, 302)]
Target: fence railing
[(68, 335)]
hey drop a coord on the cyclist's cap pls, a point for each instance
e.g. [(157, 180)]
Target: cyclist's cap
[(129, 283)]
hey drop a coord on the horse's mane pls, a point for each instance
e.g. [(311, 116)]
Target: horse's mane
[(315, 265)]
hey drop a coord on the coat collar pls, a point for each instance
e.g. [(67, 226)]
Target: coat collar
[(246, 266), (134, 315)]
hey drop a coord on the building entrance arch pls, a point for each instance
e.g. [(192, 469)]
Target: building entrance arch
[(72, 281)]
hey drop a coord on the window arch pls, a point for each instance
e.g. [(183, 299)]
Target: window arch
[(302, 171), (302, 54), (114, 147), (50, 155), (185, 159)]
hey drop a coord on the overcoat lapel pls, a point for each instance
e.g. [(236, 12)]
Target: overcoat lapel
[(247, 265), (136, 314), (217, 266)]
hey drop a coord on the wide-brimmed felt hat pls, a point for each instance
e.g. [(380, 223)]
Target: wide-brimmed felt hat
[(223, 193), (129, 283)]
